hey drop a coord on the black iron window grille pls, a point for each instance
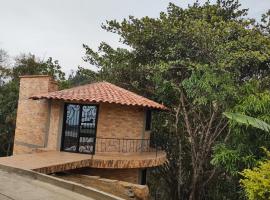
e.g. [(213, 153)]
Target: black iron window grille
[(79, 128)]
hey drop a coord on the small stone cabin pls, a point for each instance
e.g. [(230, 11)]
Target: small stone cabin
[(95, 119)]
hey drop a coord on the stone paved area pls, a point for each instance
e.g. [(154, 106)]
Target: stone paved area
[(15, 187)]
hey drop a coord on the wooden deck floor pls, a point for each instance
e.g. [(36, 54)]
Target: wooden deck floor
[(55, 161)]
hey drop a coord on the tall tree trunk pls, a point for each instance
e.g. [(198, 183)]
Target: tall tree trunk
[(194, 186), (180, 151)]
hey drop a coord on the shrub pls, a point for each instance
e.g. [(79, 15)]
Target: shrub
[(256, 181)]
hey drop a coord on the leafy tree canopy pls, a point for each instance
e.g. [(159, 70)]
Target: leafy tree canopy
[(9, 90), (199, 61), (30, 65)]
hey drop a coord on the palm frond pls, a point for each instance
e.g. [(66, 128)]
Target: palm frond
[(250, 121)]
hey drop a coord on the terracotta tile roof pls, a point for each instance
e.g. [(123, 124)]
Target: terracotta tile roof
[(101, 92)]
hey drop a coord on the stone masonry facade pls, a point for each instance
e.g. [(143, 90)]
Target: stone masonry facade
[(117, 121), (39, 123), (121, 122), (32, 116), (128, 175)]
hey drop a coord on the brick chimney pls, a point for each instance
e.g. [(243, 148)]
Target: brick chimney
[(32, 115)]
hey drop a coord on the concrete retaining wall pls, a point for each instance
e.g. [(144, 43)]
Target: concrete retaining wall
[(75, 187)]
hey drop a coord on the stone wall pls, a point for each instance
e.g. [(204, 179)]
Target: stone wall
[(121, 189), (128, 175), (32, 115), (121, 122), (117, 121), (55, 127)]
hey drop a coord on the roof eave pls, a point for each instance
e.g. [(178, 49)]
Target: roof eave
[(159, 107)]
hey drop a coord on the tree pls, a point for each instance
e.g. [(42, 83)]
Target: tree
[(31, 65), (9, 92), (80, 77), (242, 149), (256, 181), (198, 61), (4, 61)]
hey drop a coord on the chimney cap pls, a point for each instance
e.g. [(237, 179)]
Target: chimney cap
[(34, 76)]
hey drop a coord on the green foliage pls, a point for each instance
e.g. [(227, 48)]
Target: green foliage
[(250, 121), (9, 94), (256, 181), (245, 141), (80, 77), (265, 25), (229, 159), (212, 56), (9, 91), (30, 65), (208, 84), (4, 59), (219, 59)]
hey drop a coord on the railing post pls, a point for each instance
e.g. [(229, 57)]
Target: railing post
[(155, 140), (119, 141), (156, 148)]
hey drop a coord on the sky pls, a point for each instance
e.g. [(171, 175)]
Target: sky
[(58, 28)]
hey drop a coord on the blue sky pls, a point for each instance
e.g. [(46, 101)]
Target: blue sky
[(58, 28)]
